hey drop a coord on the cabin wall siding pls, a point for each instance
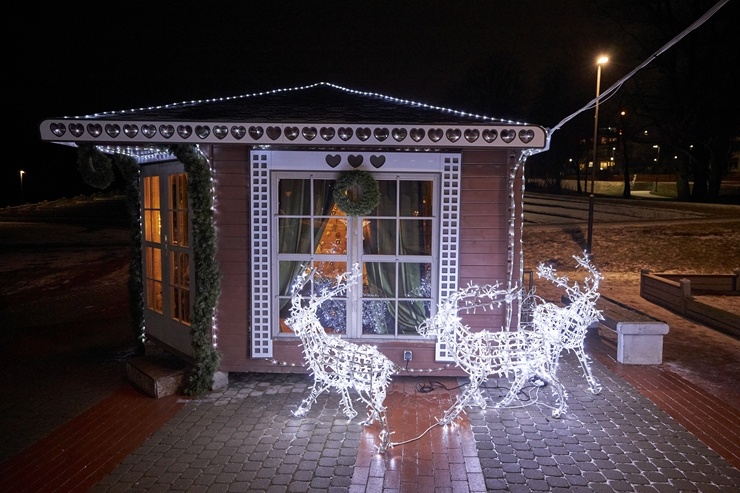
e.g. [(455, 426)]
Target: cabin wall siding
[(483, 256), (231, 183), (484, 209), (484, 229)]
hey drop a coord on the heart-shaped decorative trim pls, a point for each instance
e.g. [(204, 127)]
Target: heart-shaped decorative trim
[(76, 129), (333, 160), (309, 133), (471, 135), (354, 161), (453, 134), (526, 135), (148, 131), (58, 129), (255, 132), (184, 131), (377, 161), (112, 129), (435, 134), (166, 131), (274, 132), (202, 131), (327, 133), (417, 134), (238, 132), (399, 134), (131, 130), (381, 134), (363, 133), (345, 133), (291, 133), (94, 129), (489, 135), (220, 131), (507, 135)]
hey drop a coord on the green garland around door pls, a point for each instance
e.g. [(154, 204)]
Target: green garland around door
[(207, 275), (356, 193)]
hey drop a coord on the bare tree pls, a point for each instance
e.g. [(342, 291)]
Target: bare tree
[(688, 94)]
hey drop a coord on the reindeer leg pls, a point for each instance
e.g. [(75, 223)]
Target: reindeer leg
[(349, 409), (472, 392), (593, 384), (385, 435), (520, 377), (558, 391), (311, 399)]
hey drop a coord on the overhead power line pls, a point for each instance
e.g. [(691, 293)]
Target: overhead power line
[(608, 93)]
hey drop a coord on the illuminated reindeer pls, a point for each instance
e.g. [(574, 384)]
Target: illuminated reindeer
[(337, 363), (565, 327), (520, 353)]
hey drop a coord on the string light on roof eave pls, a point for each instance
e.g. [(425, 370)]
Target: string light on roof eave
[(144, 154), (295, 88)]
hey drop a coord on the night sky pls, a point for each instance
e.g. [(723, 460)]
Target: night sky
[(77, 58)]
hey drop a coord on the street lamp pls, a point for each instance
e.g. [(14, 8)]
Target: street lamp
[(22, 173), (599, 62), (602, 60)]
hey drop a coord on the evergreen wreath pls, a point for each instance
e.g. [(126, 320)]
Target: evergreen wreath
[(95, 167), (356, 193)]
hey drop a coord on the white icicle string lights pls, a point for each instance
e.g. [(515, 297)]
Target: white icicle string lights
[(336, 363), (565, 328), (485, 353)]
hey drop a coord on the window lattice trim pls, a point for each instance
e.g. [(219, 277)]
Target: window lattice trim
[(449, 227), (260, 227)]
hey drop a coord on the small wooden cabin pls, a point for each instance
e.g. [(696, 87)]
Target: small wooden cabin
[(449, 214)]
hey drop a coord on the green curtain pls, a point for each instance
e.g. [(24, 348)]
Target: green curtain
[(293, 236), (412, 277)]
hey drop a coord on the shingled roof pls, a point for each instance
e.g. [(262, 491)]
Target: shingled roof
[(320, 113)]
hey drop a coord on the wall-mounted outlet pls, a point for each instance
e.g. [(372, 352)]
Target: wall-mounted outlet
[(407, 355)]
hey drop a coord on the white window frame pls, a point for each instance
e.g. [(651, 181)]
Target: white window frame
[(263, 163)]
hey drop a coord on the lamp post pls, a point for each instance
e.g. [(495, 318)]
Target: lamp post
[(599, 62), (22, 173)]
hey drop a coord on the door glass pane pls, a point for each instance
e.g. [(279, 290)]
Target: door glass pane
[(152, 222), (180, 287), (154, 279), (179, 224)]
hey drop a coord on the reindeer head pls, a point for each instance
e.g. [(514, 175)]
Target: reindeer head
[(302, 310), (591, 283)]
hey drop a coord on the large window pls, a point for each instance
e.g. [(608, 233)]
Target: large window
[(407, 247), (394, 244)]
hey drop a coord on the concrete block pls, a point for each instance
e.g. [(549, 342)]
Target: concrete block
[(157, 376), (640, 343), (220, 380)]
